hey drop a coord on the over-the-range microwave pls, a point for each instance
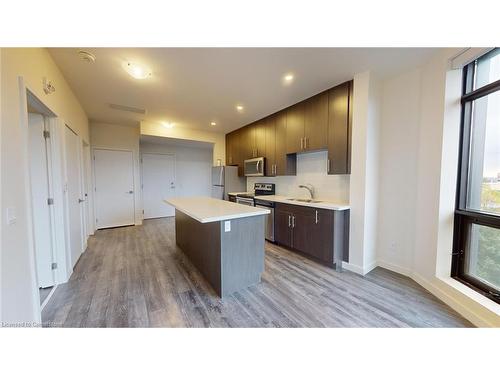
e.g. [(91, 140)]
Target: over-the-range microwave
[(254, 167)]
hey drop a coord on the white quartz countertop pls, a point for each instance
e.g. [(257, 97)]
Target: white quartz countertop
[(239, 192), (325, 204), (207, 210)]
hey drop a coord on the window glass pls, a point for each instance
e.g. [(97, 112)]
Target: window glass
[(484, 163), (483, 255), (487, 69)]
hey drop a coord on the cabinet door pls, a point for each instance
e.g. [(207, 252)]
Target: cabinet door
[(313, 232), (260, 138), (247, 142), (320, 235), (295, 128), (339, 130), (270, 145), (286, 164), (316, 122), (237, 151), (231, 148), (282, 225)]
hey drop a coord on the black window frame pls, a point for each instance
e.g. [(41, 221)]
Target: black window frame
[(464, 217)]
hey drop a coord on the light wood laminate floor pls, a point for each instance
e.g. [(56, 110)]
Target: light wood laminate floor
[(137, 277)]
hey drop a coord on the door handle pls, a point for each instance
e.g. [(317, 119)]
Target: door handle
[(81, 200), (130, 192)]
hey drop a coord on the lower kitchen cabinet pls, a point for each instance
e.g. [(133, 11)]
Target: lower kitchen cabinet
[(319, 233)]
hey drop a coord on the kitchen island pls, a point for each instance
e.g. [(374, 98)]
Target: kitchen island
[(224, 240)]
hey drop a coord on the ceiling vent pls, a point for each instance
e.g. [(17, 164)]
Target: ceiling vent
[(86, 56), (128, 109)]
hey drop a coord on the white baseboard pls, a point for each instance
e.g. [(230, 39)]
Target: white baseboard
[(358, 269), (394, 267)]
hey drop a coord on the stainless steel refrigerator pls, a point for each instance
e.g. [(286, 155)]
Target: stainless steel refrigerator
[(225, 180)]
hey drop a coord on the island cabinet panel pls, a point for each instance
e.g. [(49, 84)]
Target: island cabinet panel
[(295, 128), (339, 129), (319, 233), (316, 122), (270, 142)]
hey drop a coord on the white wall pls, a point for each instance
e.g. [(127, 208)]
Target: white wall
[(118, 137), (217, 139), (418, 170), (311, 168), (193, 167), (19, 292), (364, 173)]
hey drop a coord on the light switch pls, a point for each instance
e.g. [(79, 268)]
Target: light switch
[(11, 215), (227, 226)]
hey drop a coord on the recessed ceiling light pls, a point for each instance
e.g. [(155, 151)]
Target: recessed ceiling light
[(239, 108), (288, 78), (168, 125), (213, 123), (137, 71)]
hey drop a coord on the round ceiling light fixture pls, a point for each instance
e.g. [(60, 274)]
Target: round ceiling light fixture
[(137, 71), (288, 78), (86, 56), (239, 108), (213, 123)]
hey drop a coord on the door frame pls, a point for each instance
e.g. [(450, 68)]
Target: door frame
[(142, 173), (92, 149)]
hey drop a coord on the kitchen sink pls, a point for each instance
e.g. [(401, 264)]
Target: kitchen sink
[(304, 200)]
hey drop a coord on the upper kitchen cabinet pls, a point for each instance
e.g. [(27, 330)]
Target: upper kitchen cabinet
[(247, 142), (295, 128), (316, 122), (339, 129), (270, 141), (260, 138), (285, 164), (232, 148)]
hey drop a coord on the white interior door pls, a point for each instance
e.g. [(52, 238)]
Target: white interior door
[(114, 188), (74, 194), (158, 184), (39, 195)]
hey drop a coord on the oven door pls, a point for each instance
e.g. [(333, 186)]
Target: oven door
[(245, 201), (254, 167)]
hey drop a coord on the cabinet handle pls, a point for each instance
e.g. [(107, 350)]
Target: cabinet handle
[(327, 165), (275, 169), (289, 221), (301, 143), (316, 219), (293, 221), (305, 142)]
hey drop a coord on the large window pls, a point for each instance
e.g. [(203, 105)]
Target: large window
[(476, 254)]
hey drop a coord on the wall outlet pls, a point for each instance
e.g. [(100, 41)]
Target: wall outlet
[(227, 226), (11, 215)]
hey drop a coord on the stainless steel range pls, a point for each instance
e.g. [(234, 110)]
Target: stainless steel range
[(252, 199)]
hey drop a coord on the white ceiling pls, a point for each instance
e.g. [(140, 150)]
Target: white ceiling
[(194, 86)]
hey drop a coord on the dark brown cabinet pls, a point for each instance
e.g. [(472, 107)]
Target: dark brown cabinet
[(323, 121), (339, 129), (316, 122), (295, 128), (318, 233)]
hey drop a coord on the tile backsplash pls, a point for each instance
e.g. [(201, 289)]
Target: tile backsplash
[(311, 169)]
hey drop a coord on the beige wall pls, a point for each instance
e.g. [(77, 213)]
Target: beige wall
[(19, 298), (218, 139), (121, 138)]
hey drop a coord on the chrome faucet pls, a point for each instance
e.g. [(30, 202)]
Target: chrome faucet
[(309, 188)]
